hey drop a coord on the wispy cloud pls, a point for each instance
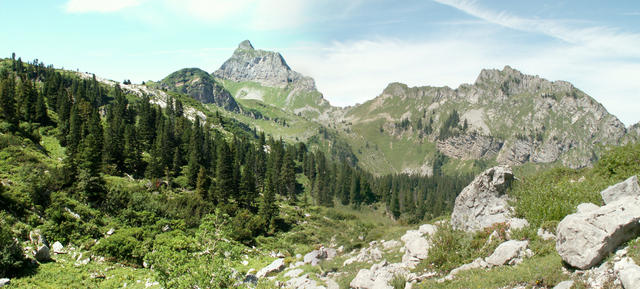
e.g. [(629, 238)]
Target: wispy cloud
[(86, 6), (595, 37)]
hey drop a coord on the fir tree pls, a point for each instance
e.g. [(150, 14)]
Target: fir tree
[(8, 101), (224, 173)]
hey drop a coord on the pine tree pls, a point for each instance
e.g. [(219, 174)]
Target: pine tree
[(132, 152), (202, 184), (354, 191), (268, 207), (8, 101), (195, 152), (90, 181), (288, 176), (224, 173), (41, 115), (29, 98), (248, 192)]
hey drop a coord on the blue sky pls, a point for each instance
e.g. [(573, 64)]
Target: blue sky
[(352, 48)]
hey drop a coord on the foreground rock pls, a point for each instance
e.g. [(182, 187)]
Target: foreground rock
[(58, 248), (628, 188), (314, 257), (43, 254), (628, 273), (586, 237), (304, 282), (564, 285), (417, 245), (275, 267), (510, 252), (4, 282), (379, 276), (484, 202)]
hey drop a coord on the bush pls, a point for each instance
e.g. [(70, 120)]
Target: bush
[(63, 226), (11, 258), (125, 245)]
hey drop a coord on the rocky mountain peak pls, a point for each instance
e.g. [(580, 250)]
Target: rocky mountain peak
[(267, 68), (245, 45), (201, 86)]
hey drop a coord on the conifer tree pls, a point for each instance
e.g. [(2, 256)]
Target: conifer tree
[(8, 101), (288, 176), (202, 184), (224, 173), (268, 207)]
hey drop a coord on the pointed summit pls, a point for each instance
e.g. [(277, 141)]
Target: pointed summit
[(245, 45)]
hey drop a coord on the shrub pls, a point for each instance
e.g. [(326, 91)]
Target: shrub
[(125, 245), (11, 258)]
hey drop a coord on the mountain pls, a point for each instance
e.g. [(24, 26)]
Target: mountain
[(253, 74), (201, 86)]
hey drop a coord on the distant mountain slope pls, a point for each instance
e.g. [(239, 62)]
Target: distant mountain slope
[(201, 86), (504, 116)]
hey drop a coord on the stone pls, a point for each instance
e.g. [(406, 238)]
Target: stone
[(586, 207), (545, 235), (628, 273), (484, 201), (58, 248), (564, 285), (583, 239), (303, 282), (4, 282), (37, 238), (367, 254), (293, 273), (250, 279), (517, 223), (275, 267), (43, 254), (387, 245), (314, 257), (477, 263), (110, 232), (628, 188), (510, 252), (427, 229), (379, 276)]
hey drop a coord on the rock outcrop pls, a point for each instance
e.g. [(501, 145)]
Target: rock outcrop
[(484, 201), (628, 273), (201, 86), (378, 276), (314, 257), (585, 238), (417, 245)]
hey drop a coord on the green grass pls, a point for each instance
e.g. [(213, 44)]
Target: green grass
[(544, 271)]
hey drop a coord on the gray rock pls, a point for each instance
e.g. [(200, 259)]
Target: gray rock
[(43, 254), (564, 285), (275, 266), (303, 282), (293, 273), (510, 252), (5, 281), (628, 188), (199, 85), (314, 257), (58, 248), (250, 279), (110, 232), (584, 239), (484, 202), (586, 207), (628, 273), (545, 235), (477, 263), (378, 276), (387, 245)]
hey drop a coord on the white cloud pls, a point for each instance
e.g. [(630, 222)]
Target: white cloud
[(101, 6)]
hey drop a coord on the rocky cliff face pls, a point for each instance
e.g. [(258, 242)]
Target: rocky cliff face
[(264, 67), (200, 85), (505, 115)]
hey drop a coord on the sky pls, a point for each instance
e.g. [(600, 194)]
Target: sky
[(352, 48)]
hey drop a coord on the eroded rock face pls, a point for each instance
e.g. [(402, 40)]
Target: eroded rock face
[(585, 238), (469, 147), (628, 188), (484, 202)]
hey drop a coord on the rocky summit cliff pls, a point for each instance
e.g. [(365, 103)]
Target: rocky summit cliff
[(505, 116), (265, 76), (201, 86), (264, 67)]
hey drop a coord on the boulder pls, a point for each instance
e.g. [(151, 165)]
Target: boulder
[(4, 282), (427, 229), (387, 245), (293, 273), (477, 263), (628, 273), (303, 282), (628, 188), (484, 202), (510, 252), (250, 279), (43, 254), (58, 248), (586, 207), (275, 267), (379, 276), (583, 239), (367, 254), (314, 257), (564, 285), (545, 235)]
